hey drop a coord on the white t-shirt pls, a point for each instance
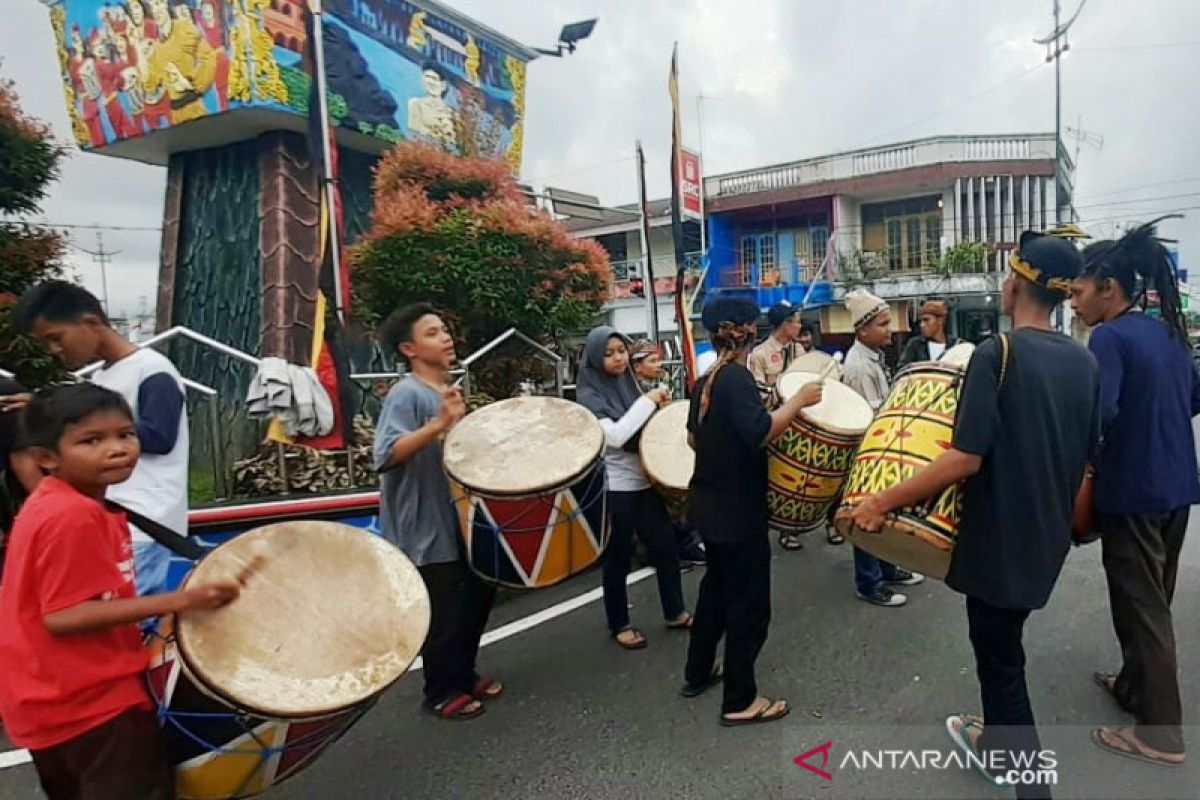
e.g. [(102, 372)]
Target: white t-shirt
[(158, 487), (625, 472), (936, 349)]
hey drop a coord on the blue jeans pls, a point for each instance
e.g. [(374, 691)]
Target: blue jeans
[(870, 572), (150, 561)]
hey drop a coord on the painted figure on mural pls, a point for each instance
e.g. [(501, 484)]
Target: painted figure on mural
[(429, 116), (213, 29), (82, 69), (143, 33), (181, 61), (110, 69), (253, 70), (473, 61)]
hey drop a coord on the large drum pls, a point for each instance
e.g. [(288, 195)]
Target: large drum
[(528, 480), (329, 616), (818, 363), (913, 427), (667, 458), (807, 464)]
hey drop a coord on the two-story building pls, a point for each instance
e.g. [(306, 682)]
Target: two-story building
[(930, 217)]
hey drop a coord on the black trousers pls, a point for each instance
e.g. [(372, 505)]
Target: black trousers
[(1010, 731), (734, 602), (1141, 558), (125, 757), (459, 604), (644, 513)]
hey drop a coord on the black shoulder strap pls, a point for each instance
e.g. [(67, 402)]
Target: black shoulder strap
[(179, 545), (1004, 356)]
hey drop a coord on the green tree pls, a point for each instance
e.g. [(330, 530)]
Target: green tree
[(457, 232), (29, 163)]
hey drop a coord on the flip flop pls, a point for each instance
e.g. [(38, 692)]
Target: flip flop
[(958, 734), (682, 626), (456, 708), (487, 689), (1128, 747), (691, 690), (833, 537), (790, 541), (761, 717), (638, 644)]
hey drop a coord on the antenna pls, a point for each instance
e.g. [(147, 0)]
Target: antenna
[(1082, 137)]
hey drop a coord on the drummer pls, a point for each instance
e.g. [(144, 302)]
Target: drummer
[(647, 365), (729, 430), (417, 512), (866, 373), (933, 341), (606, 387), (1027, 422), (777, 352)]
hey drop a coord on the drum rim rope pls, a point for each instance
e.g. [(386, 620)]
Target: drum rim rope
[(597, 471), (241, 714)]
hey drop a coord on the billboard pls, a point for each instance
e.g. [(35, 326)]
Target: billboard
[(689, 184), (137, 70)]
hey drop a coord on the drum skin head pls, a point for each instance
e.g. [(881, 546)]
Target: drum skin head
[(815, 361), (523, 445), (328, 616), (841, 410), (666, 456), (901, 543), (959, 355)]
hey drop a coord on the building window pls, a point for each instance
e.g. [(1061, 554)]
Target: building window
[(906, 233), (758, 264)]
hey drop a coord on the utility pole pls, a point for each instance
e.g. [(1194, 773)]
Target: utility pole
[(102, 257), (1056, 45)]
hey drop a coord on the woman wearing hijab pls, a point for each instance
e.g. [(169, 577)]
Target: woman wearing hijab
[(606, 386), (729, 430)]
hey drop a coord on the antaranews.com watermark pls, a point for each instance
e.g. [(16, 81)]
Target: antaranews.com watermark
[(923, 761)]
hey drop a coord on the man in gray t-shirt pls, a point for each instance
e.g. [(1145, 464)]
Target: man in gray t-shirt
[(416, 510)]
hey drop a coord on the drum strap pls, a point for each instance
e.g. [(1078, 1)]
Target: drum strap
[(177, 544), (1004, 351)]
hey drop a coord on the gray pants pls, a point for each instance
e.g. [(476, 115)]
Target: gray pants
[(1141, 557)]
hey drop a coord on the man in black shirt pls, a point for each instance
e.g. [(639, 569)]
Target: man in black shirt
[(1027, 423), (729, 429)]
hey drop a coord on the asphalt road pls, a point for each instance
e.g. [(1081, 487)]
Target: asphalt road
[(584, 719)]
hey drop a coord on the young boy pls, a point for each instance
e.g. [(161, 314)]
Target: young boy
[(417, 512), (74, 326), (73, 688)]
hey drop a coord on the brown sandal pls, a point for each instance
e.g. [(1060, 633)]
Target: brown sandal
[(682, 623), (456, 708), (639, 642), (487, 689), (1124, 742), (764, 714)]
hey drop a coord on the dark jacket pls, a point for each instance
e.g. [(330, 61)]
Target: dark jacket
[(917, 349)]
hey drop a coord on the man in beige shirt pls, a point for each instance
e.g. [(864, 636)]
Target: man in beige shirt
[(772, 358)]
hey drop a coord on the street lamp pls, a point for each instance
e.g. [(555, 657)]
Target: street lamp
[(571, 35)]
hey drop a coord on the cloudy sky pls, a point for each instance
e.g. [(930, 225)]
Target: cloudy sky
[(781, 80)]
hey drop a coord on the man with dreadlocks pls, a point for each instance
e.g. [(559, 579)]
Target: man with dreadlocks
[(1145, 478), (729, 429), (1027, 423)]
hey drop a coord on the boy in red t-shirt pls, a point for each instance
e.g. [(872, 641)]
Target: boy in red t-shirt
[(72, 688)]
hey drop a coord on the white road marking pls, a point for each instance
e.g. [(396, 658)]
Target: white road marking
[(15, 758)]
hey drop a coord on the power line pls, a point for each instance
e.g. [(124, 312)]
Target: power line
[(93, 227), (1157, 46), (101, 257)]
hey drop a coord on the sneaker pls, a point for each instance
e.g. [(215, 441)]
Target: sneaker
[(883, 596), (903, 577)]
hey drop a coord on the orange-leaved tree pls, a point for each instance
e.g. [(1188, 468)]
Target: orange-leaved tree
[(457, 232)]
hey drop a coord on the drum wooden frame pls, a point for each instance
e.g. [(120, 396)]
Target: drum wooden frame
[(913, 427), (528, 482)]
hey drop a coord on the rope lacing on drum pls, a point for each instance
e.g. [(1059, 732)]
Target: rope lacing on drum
[(588, 489)]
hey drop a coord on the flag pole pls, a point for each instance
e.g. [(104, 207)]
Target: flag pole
[(648, 276), (326, 174)]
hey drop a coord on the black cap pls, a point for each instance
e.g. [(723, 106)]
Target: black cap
[(781, 313), (1049, 261), (728, 309)]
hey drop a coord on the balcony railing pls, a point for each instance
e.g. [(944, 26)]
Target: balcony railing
[(926, 152)]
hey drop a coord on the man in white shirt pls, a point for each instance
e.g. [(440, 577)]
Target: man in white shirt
[(73, 325)]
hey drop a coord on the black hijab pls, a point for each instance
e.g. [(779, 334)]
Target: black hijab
[(606, 396)]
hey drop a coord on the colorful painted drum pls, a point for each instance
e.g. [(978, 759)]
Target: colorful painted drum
[(913, 427), (329, 617), (808, 463), (528, 480), (667, 459)]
